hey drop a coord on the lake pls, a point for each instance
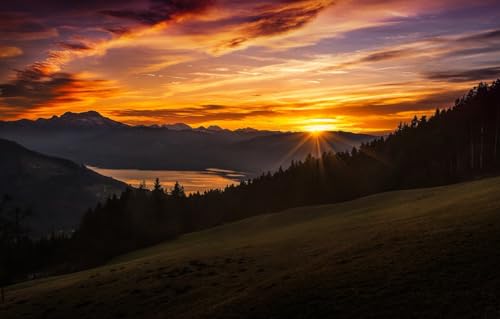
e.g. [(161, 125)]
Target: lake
[(192, 181)]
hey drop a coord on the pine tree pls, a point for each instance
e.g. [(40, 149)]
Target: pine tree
[(157, 187), (178, 191)]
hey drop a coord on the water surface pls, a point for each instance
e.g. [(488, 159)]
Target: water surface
[(192, 181)]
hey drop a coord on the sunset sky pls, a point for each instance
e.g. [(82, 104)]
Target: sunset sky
[(360, 66)]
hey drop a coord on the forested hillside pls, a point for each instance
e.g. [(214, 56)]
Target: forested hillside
[(420, 253), (455, 144), (56, 191)]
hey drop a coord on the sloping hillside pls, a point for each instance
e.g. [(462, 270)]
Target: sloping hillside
[(425, 253), (57, 191)]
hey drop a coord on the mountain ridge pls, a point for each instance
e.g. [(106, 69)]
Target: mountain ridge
[(92, 118), (88, 119), (57, 190), (98, 141)]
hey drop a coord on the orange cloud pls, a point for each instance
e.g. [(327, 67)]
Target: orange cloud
[(38, 87), (274, 19), (9, 52)]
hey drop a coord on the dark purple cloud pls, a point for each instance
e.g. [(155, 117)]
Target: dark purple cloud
[(58, 7), (479, 43), (280, 21), (36, 86), (478, 74), (278, 18), (424, 103), (482, 36), (33, 86), (76, 46), (16, 27), (161, 10), (379, 56), (386, 55), (29, 19)]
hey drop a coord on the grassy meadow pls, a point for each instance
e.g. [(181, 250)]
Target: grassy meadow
[(420, 253)]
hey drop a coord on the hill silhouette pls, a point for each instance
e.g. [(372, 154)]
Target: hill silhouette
[(426, 253), (69, 120), (57, 191)]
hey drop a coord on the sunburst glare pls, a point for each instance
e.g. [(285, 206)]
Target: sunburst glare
[(317, 126)]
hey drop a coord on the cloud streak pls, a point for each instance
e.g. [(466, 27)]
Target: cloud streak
[(9, 52), (161, 11), (192, 115), (276, 19), (36, 86), (465, 75)]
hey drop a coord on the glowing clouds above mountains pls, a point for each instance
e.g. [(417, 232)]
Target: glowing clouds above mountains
[(269, 64)]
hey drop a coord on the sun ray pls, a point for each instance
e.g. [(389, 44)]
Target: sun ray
[(288, 155)]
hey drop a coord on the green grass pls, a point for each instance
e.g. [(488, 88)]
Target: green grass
[(418, 253)]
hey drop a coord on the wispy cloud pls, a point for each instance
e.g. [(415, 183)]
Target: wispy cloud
[(76, 46), (191, 115), (9, 52), (20, 27), (161, 11), (465, 75), (36, 86), (274, 19)]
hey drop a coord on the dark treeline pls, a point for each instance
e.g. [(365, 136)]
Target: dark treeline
[(21, 255), (456, 144)]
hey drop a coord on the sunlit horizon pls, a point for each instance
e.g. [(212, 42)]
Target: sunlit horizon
[(274, 65)]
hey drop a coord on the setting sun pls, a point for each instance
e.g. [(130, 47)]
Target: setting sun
[(317, 129), (318, 125)]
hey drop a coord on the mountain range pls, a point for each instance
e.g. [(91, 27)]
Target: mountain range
[(96, 140)]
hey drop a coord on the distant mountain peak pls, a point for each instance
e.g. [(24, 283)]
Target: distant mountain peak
[(177, 126), (246, 130), (94, 119), (214, 128), (82, 114), (88, 119)]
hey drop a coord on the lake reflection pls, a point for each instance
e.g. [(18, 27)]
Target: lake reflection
[(192, 181)]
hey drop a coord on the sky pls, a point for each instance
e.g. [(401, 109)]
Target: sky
[(361, 66)]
